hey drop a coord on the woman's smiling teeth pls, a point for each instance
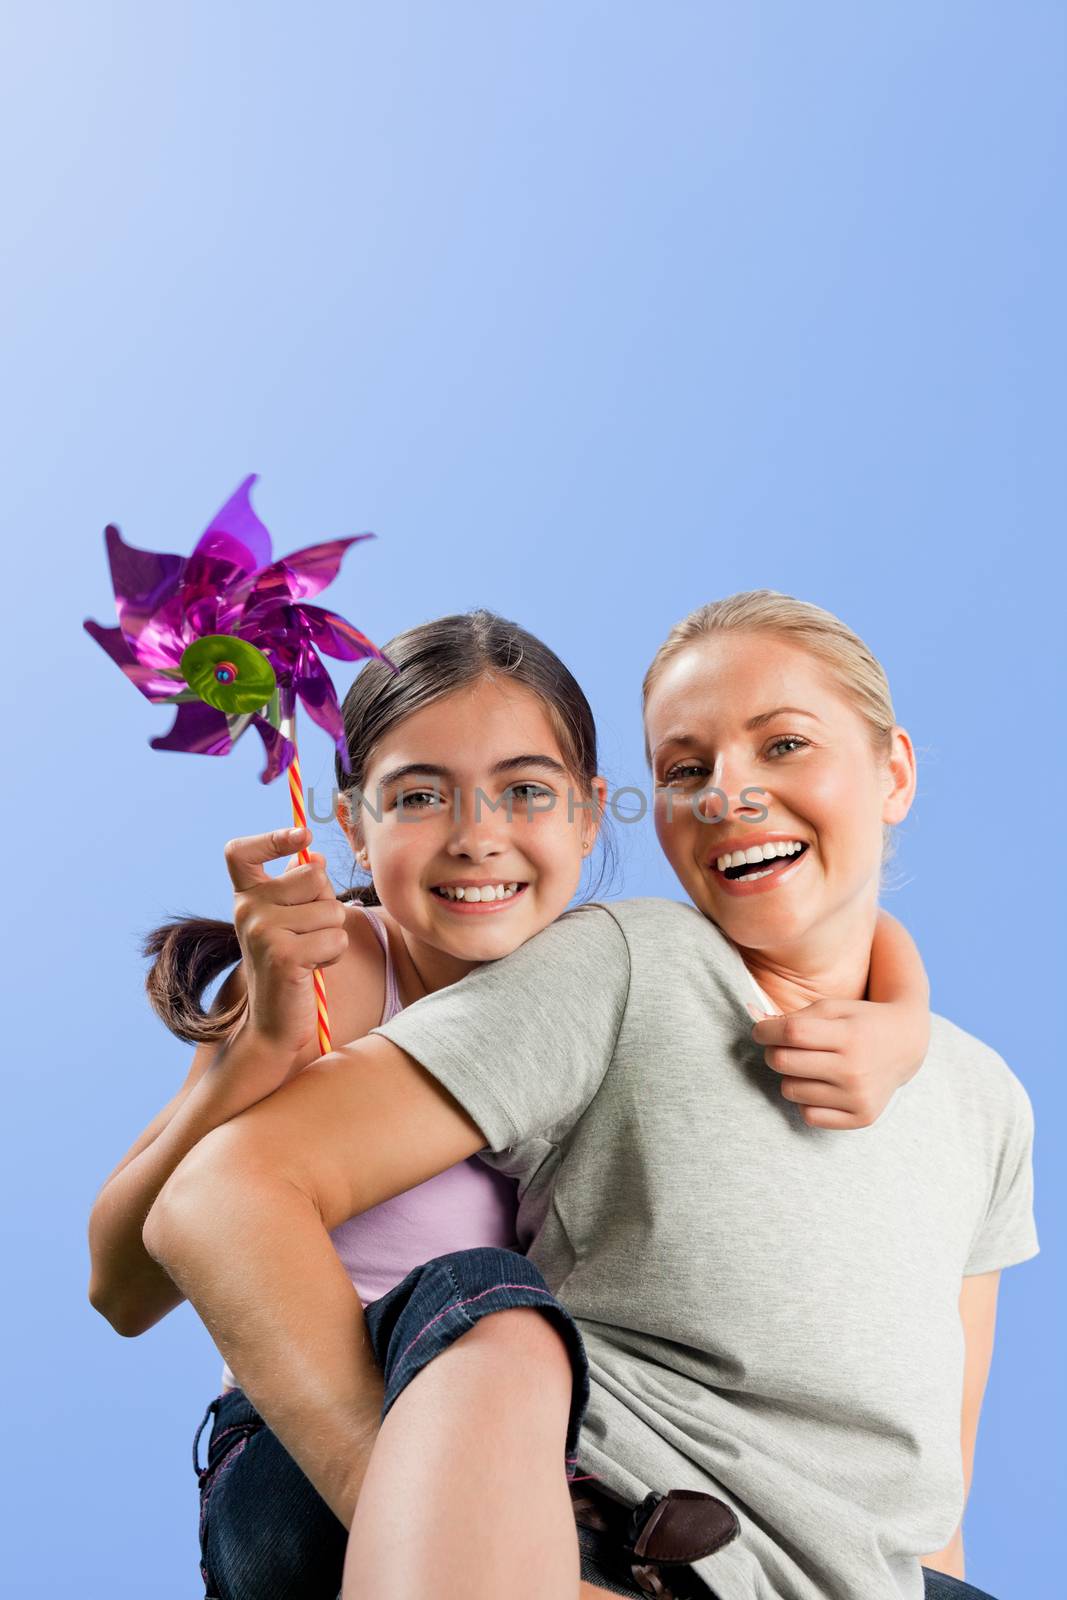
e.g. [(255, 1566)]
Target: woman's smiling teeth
[(737, 863), (488, 891)]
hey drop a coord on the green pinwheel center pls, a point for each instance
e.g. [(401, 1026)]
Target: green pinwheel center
[(229, 673)]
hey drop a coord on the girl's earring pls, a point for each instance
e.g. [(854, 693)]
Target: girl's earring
[(363, 858)]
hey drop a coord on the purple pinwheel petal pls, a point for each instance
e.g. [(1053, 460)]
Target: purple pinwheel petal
[(230, 585), (153, 684), (197, 728), (206, 598), (277, 630), (313, 684), (331, 633), (144, 582), (280, 750), (235, 534), (299, 575)]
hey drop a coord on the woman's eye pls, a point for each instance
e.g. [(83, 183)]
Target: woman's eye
[(788, 739), (684, 771)]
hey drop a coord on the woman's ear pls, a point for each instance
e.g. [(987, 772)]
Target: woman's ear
[(900, 777)]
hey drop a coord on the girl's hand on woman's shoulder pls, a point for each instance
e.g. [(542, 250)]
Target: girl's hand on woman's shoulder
[(287, 926), (842, 1061)]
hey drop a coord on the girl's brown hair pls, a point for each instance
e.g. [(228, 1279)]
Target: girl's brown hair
[(433, 660)]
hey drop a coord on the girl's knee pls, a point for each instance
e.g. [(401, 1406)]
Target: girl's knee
[(525, 1331)]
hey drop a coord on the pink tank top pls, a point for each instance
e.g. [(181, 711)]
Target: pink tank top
[(467, 1205)]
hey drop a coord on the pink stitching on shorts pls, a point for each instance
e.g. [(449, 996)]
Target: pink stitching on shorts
[(469, 1302)]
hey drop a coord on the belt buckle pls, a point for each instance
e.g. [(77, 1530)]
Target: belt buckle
[(672, 1531)]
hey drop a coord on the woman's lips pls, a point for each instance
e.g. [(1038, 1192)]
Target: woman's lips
[(785, 867), (474, 908)]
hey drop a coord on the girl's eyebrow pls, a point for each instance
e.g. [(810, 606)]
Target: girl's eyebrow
[(430, 769), (548, 763)]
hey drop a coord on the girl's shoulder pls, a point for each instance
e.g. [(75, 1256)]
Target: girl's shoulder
[(361, 972)]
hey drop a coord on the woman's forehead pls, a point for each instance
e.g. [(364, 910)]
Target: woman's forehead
[(732, 679)]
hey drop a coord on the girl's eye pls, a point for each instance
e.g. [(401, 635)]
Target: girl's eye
[(683, 771), (416, 799), (529, 791), (788, 739), (528, 797)]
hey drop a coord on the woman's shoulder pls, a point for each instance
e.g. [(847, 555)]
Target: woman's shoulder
[(650, 923), (644, 912), (979, 1077)]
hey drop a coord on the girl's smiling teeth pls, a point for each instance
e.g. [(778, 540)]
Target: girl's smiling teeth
[(471, 892)]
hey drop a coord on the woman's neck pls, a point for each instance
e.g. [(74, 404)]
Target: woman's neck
[(831, 962)]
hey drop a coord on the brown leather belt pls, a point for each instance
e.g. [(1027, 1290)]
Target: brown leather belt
[(660, 1538)]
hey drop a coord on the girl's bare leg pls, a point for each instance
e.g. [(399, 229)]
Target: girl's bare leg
[(466, 1492)]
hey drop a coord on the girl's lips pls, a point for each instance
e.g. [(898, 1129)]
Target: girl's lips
[(474, 908), (785, 867)]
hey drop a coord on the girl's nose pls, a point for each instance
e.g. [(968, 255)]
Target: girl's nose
[(473, 845), (476, 832)]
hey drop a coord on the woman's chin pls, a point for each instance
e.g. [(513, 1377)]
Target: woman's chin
[(753, 920)]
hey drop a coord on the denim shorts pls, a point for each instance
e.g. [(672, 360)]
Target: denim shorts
[(438, 1302), (266, 1534)]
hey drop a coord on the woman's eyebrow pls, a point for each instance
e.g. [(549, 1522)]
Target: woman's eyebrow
[(768, 716), (753, 722)]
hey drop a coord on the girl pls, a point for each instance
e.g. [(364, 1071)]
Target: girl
[(467, 761)]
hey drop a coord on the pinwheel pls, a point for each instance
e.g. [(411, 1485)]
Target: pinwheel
[(225, 634)]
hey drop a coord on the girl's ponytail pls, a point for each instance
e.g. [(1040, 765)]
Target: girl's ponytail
[(189, 953)]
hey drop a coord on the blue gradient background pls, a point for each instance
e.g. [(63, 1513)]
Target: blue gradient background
[(593, 312)]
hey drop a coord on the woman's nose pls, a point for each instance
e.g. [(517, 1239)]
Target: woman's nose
[(729, 794)]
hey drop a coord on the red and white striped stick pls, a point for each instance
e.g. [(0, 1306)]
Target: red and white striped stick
[(296, 795)]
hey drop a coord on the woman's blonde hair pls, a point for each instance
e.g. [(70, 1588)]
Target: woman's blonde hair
[(858, 673)]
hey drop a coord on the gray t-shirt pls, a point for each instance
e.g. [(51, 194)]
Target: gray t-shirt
[(770, 1310)]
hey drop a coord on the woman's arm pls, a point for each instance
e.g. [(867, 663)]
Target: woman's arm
[(978, 1313), (241, 1228)]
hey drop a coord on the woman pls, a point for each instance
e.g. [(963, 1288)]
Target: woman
[(771, 1308)]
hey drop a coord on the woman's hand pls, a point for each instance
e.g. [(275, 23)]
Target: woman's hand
[(286, 926), (841, 1061)]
